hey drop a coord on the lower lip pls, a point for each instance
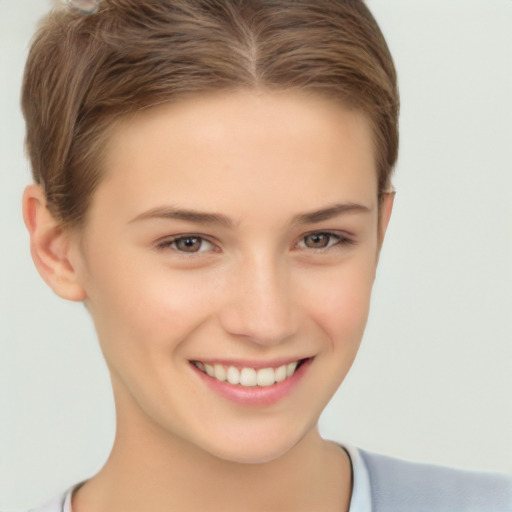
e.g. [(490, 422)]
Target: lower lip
[(254, 396)]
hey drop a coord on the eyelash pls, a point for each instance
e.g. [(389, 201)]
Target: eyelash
[(170, 242), (340, 240)]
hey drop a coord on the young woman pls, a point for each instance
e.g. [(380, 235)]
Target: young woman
[(212, 180)]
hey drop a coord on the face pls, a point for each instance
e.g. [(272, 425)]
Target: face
[(228, 261)]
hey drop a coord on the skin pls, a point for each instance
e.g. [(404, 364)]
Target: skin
[(254, 285)]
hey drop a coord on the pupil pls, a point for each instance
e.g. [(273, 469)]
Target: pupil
[(189, 244), (318, 240)]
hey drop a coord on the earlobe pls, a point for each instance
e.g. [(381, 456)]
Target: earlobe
[(50, 246)]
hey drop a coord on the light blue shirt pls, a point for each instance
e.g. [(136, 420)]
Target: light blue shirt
[(385, 484)]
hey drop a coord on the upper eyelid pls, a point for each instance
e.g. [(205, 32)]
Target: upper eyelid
[(331, 232), (184, 235), (168, 240)]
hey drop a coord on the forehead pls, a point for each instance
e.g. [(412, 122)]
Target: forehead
[(242, 148)]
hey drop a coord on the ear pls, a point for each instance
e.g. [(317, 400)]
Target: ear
[(50, 246), (386, 207)]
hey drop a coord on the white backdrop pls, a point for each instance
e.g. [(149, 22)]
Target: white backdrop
[(433, 381)]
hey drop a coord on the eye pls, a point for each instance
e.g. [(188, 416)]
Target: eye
[(187, 244), (323, 240)]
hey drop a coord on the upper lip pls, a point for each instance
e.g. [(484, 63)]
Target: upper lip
[(247, 363)]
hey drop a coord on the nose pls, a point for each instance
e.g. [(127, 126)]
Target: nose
[(259, 303)]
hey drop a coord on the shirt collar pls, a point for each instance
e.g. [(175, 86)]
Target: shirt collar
[(360, 501)]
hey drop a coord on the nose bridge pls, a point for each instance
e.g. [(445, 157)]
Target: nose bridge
[(260, 305)]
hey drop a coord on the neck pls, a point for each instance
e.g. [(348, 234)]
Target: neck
[(152, 470)]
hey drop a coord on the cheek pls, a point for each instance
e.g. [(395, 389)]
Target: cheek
[(339, 302), (140, 305)]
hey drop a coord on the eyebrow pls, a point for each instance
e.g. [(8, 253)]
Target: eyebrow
[(329, 213), (174, 213)]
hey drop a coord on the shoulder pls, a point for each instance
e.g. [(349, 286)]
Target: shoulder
[(400, 486)]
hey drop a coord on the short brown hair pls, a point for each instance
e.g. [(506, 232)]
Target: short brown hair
[(84, 72)]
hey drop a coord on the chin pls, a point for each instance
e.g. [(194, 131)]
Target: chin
[(255, 454), (258, 448)]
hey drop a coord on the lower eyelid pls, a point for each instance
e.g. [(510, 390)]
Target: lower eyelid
[(340, 240), (169, 243)]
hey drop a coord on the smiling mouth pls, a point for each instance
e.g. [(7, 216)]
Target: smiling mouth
[(249, 377)]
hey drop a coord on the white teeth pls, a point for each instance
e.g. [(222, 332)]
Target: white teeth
[(266, 377), (281, 373), (209, 370), (233, 375), (248, 377), (290, 369), (220, 372)]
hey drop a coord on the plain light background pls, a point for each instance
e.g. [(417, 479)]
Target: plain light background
[(433, 380)]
